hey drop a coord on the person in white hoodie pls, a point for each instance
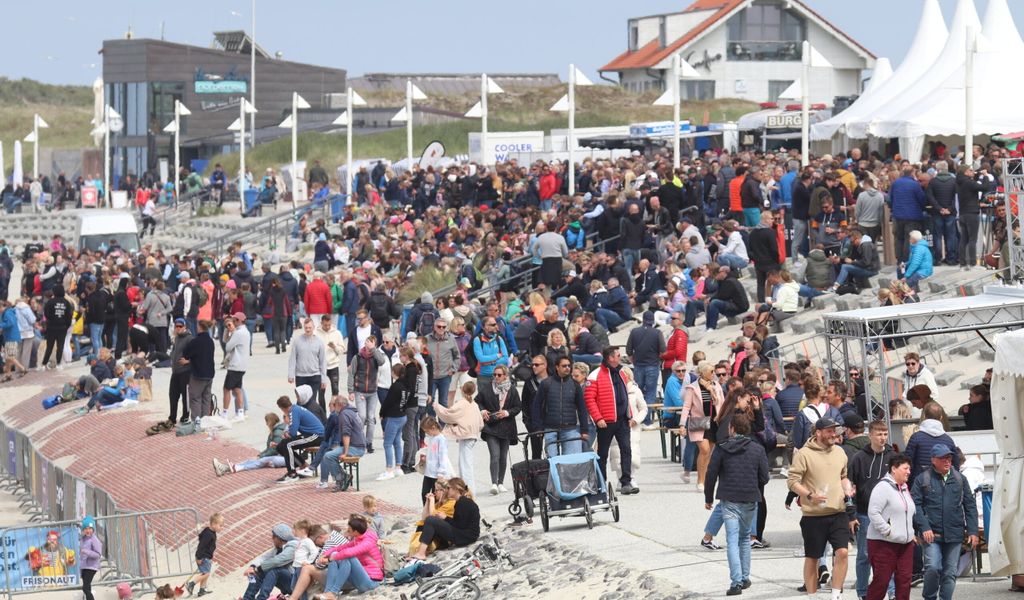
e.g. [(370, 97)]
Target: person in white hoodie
[(236, 361), (891, 531), (638, 408)]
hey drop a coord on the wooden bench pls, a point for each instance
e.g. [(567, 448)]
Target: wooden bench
[(350, 464)]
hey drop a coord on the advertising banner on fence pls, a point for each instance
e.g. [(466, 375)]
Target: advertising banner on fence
[(38, 558)]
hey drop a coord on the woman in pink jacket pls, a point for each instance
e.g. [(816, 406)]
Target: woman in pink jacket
[(356, 564), (701, 401)]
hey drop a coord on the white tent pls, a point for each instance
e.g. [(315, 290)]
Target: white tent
[(1006, 539), (880, 75), (952, 57), (928, 42), (943, 110)]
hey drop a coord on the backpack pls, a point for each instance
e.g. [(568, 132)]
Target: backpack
[(474, 364), (392, 559), (768, 437), (201, 296), (426, 325)]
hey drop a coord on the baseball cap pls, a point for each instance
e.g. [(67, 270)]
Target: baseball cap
[(179, 321), (853, 421), (825, 423), (239, 316), (940, 450), (570, 273)]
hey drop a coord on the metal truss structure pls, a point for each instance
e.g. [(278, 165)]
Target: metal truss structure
[(856, 338), (1013, 184)]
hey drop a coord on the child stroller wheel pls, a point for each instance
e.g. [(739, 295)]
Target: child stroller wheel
[(514, 509), (528, 506), (613, 502), (588, 513), (447, 588), (544, 520)]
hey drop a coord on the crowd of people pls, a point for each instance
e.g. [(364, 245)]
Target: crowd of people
[(540, 280)]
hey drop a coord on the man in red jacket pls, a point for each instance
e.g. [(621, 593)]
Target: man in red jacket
[(608, 404), (547, 187), (676, 347), (317, 298)]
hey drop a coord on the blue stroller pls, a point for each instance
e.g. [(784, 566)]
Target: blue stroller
[(576, 488)]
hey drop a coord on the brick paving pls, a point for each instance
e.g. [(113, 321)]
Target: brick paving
[(142, 473)]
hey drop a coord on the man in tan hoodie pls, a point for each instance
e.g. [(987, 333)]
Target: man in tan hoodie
[(818, 478)]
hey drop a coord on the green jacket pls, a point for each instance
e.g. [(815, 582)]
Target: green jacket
[(337, 293), (275, 438)]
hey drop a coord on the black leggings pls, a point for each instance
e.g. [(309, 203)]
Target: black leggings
[(54, 338), (762, 516), (87, 575), (436, 529)]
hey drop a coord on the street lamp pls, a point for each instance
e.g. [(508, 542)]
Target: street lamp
[(175, 127), (811, 58), (411, 93), (352, 98), (479, 111), (111, 121), (292, 120), (244, 108), (37, 124), (567, 103), (673, 97)]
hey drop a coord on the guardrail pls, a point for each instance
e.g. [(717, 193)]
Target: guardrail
[(274, 228)]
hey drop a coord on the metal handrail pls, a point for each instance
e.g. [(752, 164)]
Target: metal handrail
[(271, 226)]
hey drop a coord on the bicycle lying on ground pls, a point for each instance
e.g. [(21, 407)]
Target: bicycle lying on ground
[(458, 581)]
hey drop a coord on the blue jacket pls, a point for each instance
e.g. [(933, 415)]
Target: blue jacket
[(351, 425), (786, 187), (948, 509), (920, 261), (304, 423), (504, 330), (349, 299), (740, 468), (908, 199), (919, 446), (10, 325), (673, 397), (490, 354), (575, 238), (332, 433), (618, 301)]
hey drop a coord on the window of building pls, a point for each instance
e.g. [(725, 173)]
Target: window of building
[(634, 36), (662, 32), (161, 105), (765, 31), (776, 87), (697, 90)]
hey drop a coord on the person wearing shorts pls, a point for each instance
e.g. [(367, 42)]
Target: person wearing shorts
[(818, 478), (236, 361)]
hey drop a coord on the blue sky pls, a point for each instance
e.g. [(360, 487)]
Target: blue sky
[(57, 41)]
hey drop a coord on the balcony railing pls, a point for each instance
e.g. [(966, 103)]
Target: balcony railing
[(765, 51)]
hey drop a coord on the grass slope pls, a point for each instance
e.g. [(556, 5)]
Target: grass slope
[(66, 108)]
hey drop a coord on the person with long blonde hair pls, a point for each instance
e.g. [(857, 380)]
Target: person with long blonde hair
[(702, 400)]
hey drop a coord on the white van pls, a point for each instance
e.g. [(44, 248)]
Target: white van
[(97, 227)]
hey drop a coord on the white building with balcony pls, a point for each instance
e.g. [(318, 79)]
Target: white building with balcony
[(749, 49)]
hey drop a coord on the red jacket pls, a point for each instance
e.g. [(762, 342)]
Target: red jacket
[(675, 350), (600, 396), (318, 298), (548, 186)]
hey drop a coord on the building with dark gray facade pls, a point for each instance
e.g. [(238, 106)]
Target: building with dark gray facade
[(144, 77)]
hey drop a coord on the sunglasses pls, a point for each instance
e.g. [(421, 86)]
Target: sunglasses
[(678, 370), (538, 364), (911, 364), (496, 375), (722, 374), (440, 327)]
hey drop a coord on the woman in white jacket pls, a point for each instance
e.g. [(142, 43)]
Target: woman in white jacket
[(891, 531), (638, 408)]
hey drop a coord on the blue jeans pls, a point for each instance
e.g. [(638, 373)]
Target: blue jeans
[(863, 564), (393, 427), (738, 517), (732, 261), (913, 280), (715, 521), (318, 458), (689, 454), (720, 306), (268, 328), (647, 377), (441, 386), (945, 228), (330, 466), (751, 217), (192, 324), (590, 359), (609, 319), (348, 571), (630, 256), (847, 271), (250, 324), (567, 447), (807, 291), (265, 582), (940, 565), (95, 337)]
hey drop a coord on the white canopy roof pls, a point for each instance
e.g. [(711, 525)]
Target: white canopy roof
[(881, 74), (928, 42), (951, 58), (942, 110), (756, 119)]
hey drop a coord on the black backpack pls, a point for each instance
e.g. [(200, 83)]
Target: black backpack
[(426, 325), (474, 364)]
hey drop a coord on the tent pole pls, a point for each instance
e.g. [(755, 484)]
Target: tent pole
[(972, 35), (805, 105)]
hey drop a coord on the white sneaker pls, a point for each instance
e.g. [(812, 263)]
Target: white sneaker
[(700, 487), (320, 485), (686, 476), (304, 472), (501, 489), (385, 476), (239, 416), (494, 489), (649, 427), (220, 468)]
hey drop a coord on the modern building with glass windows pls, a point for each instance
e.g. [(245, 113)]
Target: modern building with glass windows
[(749, 49), (144, 77)]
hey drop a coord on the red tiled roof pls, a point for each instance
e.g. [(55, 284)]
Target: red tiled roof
[(651, 53)]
